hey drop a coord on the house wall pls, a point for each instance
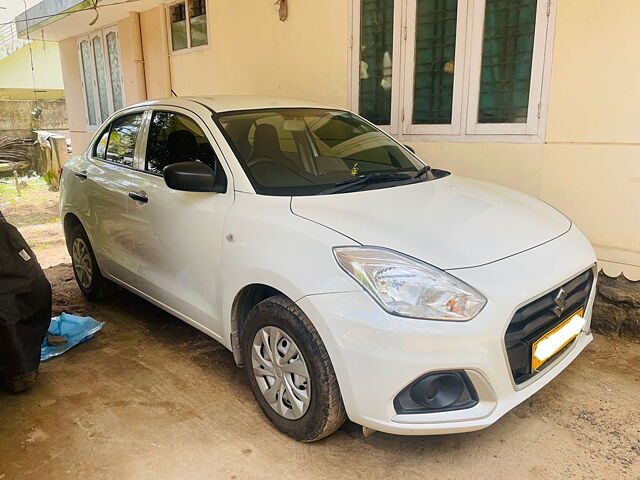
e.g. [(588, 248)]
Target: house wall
[(155, 50), (588, 167), (17, 121), (131, 78), (72, 76), (252, 52), (29, 94), (16, 73)]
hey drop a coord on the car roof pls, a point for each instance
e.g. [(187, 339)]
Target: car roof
[(228, 103)]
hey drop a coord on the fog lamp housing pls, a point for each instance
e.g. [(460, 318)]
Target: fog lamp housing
[(441, 391)]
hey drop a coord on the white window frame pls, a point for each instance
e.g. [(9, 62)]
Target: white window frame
[(464, 125), (107, 69), (535, 88), (105, 32), (96, 106), (189, 48), (394, 127), (458, 75)]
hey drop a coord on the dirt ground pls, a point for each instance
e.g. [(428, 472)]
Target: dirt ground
[(35, 213), (149, 397)]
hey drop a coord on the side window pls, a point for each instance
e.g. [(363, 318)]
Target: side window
[(175, 138), (122, 139), (100, 147)]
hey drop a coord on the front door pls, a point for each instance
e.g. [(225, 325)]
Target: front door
[(107, 179), (176, 236)]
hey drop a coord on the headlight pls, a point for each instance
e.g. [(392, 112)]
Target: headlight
[(407, 287)]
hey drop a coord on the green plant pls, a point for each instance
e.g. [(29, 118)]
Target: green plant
[(12, 149)]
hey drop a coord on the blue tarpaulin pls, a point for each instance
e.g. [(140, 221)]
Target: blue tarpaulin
[(72, 327)]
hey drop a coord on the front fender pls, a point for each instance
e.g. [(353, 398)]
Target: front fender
[(264, 243)]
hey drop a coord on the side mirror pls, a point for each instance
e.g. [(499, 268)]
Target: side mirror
[(192, 177), (410, 148)]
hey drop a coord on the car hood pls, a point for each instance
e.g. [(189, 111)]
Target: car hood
[(452, 222)]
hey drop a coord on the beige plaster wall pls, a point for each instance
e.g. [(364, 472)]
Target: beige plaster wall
[(589, 166), (252, 52)]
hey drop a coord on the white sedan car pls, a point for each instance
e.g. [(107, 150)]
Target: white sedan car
[(348, 278)]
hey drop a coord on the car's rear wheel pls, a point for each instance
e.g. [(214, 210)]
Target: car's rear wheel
[(85, 267), (290, 372)]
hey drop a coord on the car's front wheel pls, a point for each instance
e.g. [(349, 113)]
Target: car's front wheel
[(85, 267), (290, 372)]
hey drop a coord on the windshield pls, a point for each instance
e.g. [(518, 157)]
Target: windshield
[(293, 151)]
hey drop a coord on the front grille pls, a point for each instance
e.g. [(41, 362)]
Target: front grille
[(535, 319)]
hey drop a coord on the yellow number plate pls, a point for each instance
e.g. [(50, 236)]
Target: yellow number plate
[(555, 340)]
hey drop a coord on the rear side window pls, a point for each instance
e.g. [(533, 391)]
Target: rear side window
[(123, 135), (101, 147), (175, 138)]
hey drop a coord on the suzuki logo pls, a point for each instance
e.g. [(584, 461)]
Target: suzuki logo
[(561, 302)]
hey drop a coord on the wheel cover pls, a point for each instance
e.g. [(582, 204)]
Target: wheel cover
[(281, 372), (82, 264)]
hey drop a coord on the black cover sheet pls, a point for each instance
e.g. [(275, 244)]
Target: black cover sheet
[(25, 304)]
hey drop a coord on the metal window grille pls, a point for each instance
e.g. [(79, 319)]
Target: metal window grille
[(434, 61), (376, 57), (507, 53)]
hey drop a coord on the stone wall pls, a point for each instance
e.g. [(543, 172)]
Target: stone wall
[(617, 307), (17, 121)]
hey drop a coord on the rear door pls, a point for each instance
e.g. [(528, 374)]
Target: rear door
[(106, 180), (176, 236)]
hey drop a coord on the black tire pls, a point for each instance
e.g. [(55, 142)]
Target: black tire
[(326, 412), (99, 287)]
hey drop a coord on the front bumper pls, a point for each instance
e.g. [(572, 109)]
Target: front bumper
[(375, 355)]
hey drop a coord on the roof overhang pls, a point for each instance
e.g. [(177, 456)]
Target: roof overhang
[(60, 19)]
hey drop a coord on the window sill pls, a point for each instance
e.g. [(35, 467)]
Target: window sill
[(480, 138), (184, 51)]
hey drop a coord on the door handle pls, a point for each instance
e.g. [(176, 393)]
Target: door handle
[(138, 197), (81, 175)]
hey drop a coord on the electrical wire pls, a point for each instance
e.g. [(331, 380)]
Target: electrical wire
[(33, 70), (42, 17)]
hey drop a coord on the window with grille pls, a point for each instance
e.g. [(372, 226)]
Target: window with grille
[(507, 51), (376, 60), (101, 77), (435, 47), (188, 25), (458, 68), (178, 17)]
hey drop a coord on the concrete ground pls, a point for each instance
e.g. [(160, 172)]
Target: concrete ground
[(151, 398)]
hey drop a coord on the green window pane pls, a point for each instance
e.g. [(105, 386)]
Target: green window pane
[(198, 22), (98, 55), (122, 139), (87, 73), (507, 52), (434, 61), (376, 56), (178, 27), (114, 64)]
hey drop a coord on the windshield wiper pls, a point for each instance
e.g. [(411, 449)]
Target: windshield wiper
[(422, 171), (362, 180)]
